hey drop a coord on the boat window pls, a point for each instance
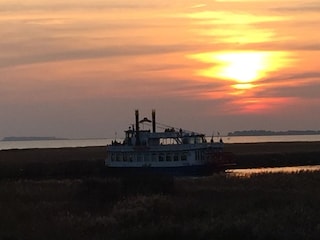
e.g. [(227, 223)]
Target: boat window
[(176, 157), (147, 157), (168, 157), (112, 157), (119, 157), (125, 157), (154, 157), (184, 156), (161, 157), (139, 157), (199, 156), (198, 140), (185, 140), (130, 158), (189, 140)]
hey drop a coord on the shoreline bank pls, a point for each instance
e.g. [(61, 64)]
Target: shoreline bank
[(89, 161), (275, 154)]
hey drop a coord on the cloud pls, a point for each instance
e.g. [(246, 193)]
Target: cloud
[(293, 76), (83, 54), (14, 6), (305, 91), (304, 85), (281, 45), (304, 75), (233, 18), (304, 7)]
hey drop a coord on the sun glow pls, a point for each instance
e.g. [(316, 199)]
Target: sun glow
[(243, 68), (243, 86), (245, 74)]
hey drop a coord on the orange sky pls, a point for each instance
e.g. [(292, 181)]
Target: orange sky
[(81, 68)]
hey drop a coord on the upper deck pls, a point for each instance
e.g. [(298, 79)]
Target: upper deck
[(169, 138)]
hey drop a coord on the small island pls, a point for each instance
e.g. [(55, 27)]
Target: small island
[(31, 138), (272, 133)]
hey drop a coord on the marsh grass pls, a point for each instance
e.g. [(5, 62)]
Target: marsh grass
[(267, 206), (52, 163), (64, 194), (89, 161)]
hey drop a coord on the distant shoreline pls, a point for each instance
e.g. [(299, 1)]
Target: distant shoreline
[(31, 138), (272, 133)]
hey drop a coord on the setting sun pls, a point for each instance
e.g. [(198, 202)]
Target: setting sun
[(224, 62), (243, 68)]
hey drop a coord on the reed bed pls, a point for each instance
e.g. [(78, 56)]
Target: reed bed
[(64, 194), (265, 206)]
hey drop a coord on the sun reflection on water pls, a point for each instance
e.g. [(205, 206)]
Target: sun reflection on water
[(250, 172)]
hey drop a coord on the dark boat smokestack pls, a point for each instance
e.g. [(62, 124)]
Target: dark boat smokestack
[(137, 128), (153, 120)]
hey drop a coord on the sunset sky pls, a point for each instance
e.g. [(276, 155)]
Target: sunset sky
[(80, 68)]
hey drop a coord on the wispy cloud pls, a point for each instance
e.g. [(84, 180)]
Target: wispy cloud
[(11, 6), (83, 54), (299, 7), (282, 90)]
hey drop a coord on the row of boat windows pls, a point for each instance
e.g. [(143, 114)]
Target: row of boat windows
[(154, 157)]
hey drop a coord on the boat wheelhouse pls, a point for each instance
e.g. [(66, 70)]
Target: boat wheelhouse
[(172, 151)]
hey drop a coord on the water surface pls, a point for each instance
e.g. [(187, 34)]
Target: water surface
[(105, 141), (248, 172)]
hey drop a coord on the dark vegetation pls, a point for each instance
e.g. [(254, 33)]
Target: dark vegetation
[(279, 154), (65, 194), (269, 206), (52, 163)]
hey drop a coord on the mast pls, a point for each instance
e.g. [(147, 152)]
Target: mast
[(153, 120), (137, 128)]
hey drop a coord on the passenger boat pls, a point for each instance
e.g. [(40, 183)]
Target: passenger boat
[(172, 151)]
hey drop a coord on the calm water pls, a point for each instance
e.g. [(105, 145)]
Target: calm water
[(104, 142), (53, 143), (253, 171)]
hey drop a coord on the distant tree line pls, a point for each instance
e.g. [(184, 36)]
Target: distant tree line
[(272, 133), (30, 138)]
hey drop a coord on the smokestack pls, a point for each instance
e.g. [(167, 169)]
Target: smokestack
[(153, 120), (137, 128)]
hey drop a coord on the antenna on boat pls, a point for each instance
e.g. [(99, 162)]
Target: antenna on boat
[(137, 128), (153, 120)]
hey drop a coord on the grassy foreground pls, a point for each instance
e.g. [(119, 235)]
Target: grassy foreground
[(276, 154), (270, 206), (63, 194)]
